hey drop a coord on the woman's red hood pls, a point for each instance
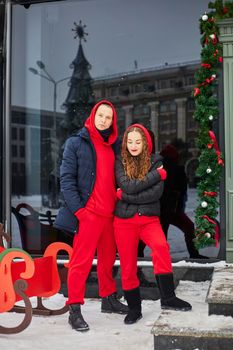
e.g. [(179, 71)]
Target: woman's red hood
[(90, 123), (146, 133)]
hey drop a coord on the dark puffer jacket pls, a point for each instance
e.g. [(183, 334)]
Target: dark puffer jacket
[(78, 169), (139, 196), (78, 174)]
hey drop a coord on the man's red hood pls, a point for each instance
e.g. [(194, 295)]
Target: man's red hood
[(90, 123)]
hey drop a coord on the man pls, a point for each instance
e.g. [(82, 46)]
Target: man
[(88, 185)]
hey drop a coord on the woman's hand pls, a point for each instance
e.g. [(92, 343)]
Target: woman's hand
[(162, 172), (119, 194)]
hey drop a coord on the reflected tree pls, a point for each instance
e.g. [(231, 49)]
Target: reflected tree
[(80, 98)]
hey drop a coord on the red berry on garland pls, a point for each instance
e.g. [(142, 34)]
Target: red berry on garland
[(196, 91), (210, 193), (212, 19), (206, 65), (225, 10), (220, 162), (214, 38)]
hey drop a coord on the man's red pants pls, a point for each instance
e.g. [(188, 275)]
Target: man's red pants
[(95, 232), (127, 235)]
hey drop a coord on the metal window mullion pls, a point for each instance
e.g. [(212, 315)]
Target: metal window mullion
[(7, 119)]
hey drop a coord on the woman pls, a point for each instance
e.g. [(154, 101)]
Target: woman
[(140, 181)]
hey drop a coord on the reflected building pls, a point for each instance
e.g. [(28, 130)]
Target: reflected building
[(32, 147), (159, 98)]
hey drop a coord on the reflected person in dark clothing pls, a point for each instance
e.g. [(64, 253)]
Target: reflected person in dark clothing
[(174, 198)]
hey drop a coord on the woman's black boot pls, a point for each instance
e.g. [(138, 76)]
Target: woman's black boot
[(134, 302)]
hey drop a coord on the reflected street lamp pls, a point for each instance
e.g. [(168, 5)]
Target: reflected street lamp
[(48, 77), (43, 73)]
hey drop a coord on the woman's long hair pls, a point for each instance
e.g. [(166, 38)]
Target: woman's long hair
[(136, 167)]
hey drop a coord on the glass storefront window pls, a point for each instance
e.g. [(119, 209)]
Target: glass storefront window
[(67, 55)]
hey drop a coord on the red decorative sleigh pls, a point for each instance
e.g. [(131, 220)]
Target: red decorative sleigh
[(28, 277)]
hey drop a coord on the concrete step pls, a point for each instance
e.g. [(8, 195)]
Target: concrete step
[(220, 295), (183, 270), (193, 330)]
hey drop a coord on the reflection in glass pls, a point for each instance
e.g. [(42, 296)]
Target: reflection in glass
[(58, 76)]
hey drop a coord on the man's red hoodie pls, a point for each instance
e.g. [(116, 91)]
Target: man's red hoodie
[(103, 198)]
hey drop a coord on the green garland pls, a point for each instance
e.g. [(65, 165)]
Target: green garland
[(206, 111)]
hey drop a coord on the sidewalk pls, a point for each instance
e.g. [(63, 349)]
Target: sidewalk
[(107, 331)]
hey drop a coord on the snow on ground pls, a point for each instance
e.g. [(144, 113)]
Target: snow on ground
[(107, 331)]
